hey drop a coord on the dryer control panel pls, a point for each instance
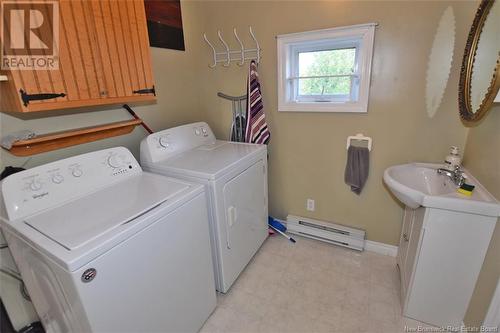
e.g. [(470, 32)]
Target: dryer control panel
[(167, 143), (42, 187)]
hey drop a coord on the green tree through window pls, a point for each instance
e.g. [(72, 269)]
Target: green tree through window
[(330, 62)]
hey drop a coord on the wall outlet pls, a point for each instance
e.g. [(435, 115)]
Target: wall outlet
[(310, 205)]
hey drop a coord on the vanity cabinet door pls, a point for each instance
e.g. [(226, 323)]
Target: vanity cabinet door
[(403, 246), (405, 234), (413, 244)]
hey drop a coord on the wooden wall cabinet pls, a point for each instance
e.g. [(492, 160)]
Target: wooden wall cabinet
[(104, 59)]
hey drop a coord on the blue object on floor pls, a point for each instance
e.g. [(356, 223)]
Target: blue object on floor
[(276, 224), (283, 234)]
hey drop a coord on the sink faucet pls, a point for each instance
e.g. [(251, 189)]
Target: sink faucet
[(456, 176)]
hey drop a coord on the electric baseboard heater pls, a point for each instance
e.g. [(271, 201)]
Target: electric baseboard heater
[(327, 232)]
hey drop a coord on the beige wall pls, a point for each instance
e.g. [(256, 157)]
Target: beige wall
[(307, 150), (482, 158), (177, 103)]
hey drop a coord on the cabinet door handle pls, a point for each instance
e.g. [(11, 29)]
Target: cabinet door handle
[(37, 97), (405, 237), (146, 91)]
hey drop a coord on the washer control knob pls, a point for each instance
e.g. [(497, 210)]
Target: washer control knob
[(57, 178), (164, 141), (35, 185), (77, 172), (204, 130), (197, 131), (116, 161)]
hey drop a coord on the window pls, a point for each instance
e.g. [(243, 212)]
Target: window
[(325, 70)]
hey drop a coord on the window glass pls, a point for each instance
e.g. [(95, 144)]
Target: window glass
[(326, 73)]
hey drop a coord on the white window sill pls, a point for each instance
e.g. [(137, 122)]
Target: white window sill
[(322, 107)]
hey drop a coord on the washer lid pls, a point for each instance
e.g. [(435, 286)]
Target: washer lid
[(80, 221), (211, 160)]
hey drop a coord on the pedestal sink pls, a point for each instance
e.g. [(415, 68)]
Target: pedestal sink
[(418, 184), (444, 239)]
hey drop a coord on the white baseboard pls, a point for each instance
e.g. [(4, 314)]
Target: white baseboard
[(381, 248)]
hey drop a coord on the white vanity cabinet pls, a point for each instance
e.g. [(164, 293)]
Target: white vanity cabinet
[(440, 255)]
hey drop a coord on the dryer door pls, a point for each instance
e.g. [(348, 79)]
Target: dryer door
[(245, 208)]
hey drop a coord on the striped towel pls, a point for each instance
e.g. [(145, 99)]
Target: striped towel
[(256, 128)]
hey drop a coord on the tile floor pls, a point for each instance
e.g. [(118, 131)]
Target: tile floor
[(312, 286)]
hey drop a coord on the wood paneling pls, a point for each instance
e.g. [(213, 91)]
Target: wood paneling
[(77, 58), (142, 30), (104, 56), (9, 99), (135, 44), (95, 12)]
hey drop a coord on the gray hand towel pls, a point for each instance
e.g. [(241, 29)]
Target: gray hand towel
[(356, 169)]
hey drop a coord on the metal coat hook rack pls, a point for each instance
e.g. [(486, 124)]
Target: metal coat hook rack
[(240, 56)]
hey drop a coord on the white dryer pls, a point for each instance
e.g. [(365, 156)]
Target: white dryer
[(235, 176), (104, 247)]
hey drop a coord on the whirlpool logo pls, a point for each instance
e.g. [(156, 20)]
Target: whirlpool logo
[(29, 33)]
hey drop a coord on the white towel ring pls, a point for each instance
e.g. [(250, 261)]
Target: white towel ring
[(359, 137)]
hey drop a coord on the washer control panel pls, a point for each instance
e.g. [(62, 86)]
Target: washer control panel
[(164, 144), (30, 191)]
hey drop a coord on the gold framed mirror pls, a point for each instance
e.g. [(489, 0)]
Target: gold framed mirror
[(479, 81)]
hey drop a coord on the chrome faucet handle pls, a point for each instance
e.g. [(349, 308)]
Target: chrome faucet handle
[(457, 171), (459, 178)]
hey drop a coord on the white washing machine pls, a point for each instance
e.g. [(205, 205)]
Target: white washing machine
[(104, 247), (235, 176)]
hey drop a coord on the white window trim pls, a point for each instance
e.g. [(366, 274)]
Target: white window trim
[(365, 32)]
